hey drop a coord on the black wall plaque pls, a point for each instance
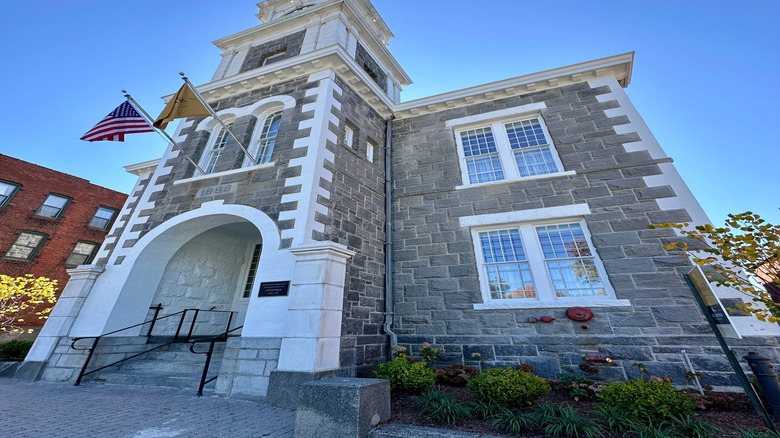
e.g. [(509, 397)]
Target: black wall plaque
[(274, 289)]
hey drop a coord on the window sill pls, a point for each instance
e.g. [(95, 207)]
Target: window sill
[(534, 304), (507, 181), (224, 173)]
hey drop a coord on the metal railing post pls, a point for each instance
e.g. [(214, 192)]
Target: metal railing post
[(86, 362), (181, 322), (157, 310), (230, 320), (192, 325), (206, 368)]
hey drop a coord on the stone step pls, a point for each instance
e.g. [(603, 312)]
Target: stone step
[(177, 367), (141, 378)]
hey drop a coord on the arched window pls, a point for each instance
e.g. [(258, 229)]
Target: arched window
[(263, 146), (213, 152)]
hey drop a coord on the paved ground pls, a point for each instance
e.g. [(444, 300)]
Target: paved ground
[(43, 409)]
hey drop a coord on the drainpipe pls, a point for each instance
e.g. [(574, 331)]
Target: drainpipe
[(388, 325)]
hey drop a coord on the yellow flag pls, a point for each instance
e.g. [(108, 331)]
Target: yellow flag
[(183, 104)]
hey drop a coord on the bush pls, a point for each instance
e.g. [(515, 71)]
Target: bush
[(565, 421), (406, 376), (509, 387), (442, 407), (455, 375), (513, 422), (15, 350), (651, 400)]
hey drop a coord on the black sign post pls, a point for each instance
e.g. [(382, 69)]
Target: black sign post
[(701, 290)]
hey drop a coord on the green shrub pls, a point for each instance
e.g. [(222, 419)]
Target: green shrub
[(690, 427), (659, 430), (15, 349), (405, 376), (513, 422), (647, 399), (565, 421), (442, 407), (488, 410), (509, 387), (616, 420), (759, 433)]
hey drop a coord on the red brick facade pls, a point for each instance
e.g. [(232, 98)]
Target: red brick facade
[(18, 214)]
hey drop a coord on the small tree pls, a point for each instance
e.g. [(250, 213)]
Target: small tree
[(745, 250), (20, 293)]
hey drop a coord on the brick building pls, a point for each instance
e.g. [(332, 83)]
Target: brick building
[(458, 219), (50, 221)]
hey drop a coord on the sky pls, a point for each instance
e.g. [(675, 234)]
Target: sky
[(705, 76)]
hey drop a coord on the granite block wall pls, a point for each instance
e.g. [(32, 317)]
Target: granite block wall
[(356, 218), (436, 269)]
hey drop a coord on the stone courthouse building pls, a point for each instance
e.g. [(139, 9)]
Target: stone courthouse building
[(461, 219)]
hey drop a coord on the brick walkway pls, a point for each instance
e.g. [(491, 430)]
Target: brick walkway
[(43, 409)]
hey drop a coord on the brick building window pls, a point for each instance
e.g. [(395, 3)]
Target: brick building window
[(53, 206), (7, 191), (82, 254), (262, 147), (539, 263), (25, 246), (103, 218)]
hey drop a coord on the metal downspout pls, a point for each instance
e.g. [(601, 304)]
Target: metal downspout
[(388, 325)]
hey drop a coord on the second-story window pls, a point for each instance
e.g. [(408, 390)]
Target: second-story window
[(214, 151), (262, 148), (104, 217), (53, 206), (82, 254), (7, 191)]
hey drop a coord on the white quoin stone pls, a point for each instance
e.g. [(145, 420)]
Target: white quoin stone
[(313, 327), (65, 311)]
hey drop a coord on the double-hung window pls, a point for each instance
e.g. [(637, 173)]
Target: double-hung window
[(263, 146), (214, 151), (505, 145), (540, 262), (538, 258), (7, 191), (25, 246), (104, 217), (82, 254), (53, 206)]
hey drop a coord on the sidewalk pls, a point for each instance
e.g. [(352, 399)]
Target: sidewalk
[(43, 409)]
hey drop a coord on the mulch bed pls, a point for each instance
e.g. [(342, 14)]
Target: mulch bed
[(405, 410)]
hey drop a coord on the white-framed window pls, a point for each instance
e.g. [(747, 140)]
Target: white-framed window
[(53, 206), (82, 254), (273, 57), (103, 218), (25, 246), (7, 191), (507, 150), (505, 145), (264, 138), (549, 263), (214, 150), (349, 136), (370, 151)]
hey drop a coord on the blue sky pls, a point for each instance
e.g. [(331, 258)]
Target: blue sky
[(704, 78)]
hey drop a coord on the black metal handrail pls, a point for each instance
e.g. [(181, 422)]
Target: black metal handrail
[(204, 380), (176, 337)]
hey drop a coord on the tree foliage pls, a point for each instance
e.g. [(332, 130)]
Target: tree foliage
[(743, 255), (17, 294)]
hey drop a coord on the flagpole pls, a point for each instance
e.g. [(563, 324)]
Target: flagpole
[(209, 109), (160, 131)]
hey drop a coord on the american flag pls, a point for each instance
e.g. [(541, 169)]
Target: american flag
[(123, 120)]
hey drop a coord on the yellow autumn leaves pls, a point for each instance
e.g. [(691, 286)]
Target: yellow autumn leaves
[(20, 293)]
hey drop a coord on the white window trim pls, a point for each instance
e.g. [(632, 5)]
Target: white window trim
[(496, 120), (257, 132), (214, 132), (526, 221)]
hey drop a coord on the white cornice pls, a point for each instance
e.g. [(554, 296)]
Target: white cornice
[(333, 57), (618, 66), (142, 168), (337, 59)]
